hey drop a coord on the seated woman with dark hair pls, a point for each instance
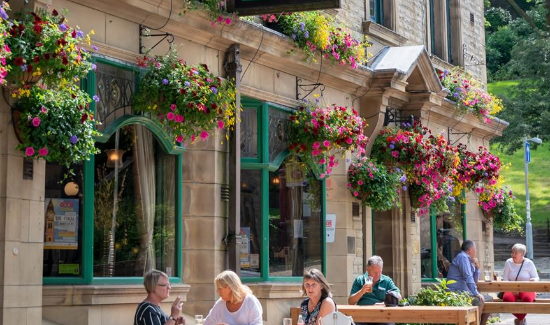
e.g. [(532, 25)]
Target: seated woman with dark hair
[(319, 301)]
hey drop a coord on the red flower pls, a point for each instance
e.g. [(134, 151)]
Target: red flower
[(19, 61)]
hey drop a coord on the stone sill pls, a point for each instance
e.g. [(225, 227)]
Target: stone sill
[(271, 290), (86, 295), (383, 34)]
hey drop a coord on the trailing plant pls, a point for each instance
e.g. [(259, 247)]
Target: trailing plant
[(469, 94), (497, 204), (188, 101), (439, 295), (315, 32), (215, 8), (56, 124), (318, 134), (45, 47), (5, 51), (374, 184), (475, 170)]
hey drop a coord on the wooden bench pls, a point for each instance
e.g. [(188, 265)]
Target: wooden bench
[(408, 314), (539, 306)]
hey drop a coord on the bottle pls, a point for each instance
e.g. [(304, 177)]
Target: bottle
[(300, 320)]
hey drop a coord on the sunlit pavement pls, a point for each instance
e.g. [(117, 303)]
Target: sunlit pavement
[(532, 319)]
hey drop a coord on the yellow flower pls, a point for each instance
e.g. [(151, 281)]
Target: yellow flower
[(322, 32)]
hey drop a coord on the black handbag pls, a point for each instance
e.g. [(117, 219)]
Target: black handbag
[(501, 294), (391, 299)]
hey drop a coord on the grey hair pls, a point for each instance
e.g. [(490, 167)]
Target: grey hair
[(375, 260), (519, 248)]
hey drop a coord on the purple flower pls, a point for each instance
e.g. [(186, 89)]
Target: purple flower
[(214, 90), (187, 84), (403, 179), (73, 139), (24, 67), (404, 188), (95, 48), (3, 13), (165, 81), (96, 98), (306, 34), (391, 146), (94, 66), (302, 26), (79, 34), (63, 27)]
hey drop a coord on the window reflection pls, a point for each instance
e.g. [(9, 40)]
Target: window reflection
[(251, 214)]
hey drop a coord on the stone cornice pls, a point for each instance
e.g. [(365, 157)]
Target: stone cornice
[(262, 45), (383, 34)]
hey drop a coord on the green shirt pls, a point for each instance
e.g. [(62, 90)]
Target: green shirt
[(379, 289)]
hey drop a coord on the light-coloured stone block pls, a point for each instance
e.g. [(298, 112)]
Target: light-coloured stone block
[(36, 222), (285, 84), (86, 18), (18, 270), (340, 245), (22, 296), (194, 237), (202, 266), (202, 200), (204, 166), (121, 33)]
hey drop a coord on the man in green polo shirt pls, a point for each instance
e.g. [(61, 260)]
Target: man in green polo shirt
[(364, 292)]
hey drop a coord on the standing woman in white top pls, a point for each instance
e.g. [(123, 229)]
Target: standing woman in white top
[(523, 269), (237, 305)]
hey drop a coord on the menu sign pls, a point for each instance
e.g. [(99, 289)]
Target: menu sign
[(61, 224), (258, 7)]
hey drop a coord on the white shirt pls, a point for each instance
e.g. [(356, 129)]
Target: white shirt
[(528, 271), (250, 313)]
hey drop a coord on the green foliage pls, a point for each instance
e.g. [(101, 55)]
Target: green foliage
[(497, 18), (439, 295)]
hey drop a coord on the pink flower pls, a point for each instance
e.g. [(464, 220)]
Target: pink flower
[(316, 152), (173, 107), (43, 110), (179, 138), (204, 135), (43, 151), (316, 145), (349, 140), (170, 116), (355, 193), (179, 118), (29, 151), (326, 143), (360, 182), (220, 124), (36, 122), (322, 161), (395, 154), (228, 21)]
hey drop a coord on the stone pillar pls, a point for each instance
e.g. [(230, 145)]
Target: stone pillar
[(21, 231)]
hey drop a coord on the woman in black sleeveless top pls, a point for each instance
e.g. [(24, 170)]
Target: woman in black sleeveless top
[(319, 299)]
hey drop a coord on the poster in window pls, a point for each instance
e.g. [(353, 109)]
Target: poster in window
[(244, 247), (61, 223)]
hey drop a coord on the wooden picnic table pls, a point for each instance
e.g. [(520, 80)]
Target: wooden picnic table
[(540, 306), (408, 314)]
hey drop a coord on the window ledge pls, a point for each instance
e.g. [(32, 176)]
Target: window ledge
[(269, 290), (383, 34), (85, 295)]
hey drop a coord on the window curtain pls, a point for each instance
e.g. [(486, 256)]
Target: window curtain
[(165, 215)]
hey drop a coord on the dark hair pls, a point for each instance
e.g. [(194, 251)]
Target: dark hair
[(317, 276), (466, 245)]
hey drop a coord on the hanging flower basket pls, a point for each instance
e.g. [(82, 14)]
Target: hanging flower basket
[(319, 134), (56, 125), (188, 101), (5, 51), (497, 205)]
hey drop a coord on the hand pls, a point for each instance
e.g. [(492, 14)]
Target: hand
[(476, 262), (533, 279), (367, 288), (481, 298), (180, 321), (177, 305)]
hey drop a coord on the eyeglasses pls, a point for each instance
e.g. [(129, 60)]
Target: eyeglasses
[(163, 284)]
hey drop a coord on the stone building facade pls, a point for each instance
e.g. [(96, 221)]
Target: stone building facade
[(409, 39)]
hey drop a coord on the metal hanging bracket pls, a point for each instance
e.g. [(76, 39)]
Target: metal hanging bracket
[(144, 31), (395, 116), (308, 88), (461, 135)]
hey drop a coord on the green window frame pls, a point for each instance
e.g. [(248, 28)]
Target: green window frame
[(433, 239), (165, 142), (265, 165)]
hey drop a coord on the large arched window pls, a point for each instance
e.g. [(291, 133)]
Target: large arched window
[(120, 214), (282, 202)]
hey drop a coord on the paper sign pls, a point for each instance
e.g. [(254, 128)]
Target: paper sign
[(61, 223), (330, 227)]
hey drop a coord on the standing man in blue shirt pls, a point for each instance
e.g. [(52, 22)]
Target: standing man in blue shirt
[(371, 287), (464, 270)]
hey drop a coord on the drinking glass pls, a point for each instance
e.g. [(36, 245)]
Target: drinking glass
[(487, 276), (498, 275), (287, 321), (198, 319)]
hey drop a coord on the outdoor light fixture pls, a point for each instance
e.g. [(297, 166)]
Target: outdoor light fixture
[(528, 225), (114, 157), (71, 189)]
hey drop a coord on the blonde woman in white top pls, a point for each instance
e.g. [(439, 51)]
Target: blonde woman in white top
[(519, 268), (237, 305)]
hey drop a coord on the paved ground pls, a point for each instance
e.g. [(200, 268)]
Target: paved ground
[(538, 319)]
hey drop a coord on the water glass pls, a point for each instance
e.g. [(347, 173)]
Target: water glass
[(198, 319), (287, 321), (488, 277), (498, 275)]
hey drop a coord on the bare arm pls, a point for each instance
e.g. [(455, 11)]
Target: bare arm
[(327, 307), (354, 298)]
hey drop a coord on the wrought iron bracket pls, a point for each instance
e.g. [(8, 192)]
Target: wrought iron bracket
[(144, 31), (308, 88), (460, 134)]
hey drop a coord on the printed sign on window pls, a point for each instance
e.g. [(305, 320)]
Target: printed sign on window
[(61, 224), (330, 225)]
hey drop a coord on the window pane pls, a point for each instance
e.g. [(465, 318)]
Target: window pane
[(63, 222), (278, 132), (449, 237), (249, 133), (426, 246), (295, 239), (134, 216), (251, 222)]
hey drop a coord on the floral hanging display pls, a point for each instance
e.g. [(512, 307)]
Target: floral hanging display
[(216, 9), (56, 125), (315, 32), (43, 46), (374, 184), (319, 134), (188, 101), (476, 170), (5, 51), (426, 160), (469, 95), (497, 204)]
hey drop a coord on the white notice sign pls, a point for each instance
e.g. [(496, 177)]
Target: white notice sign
[(330, 227)]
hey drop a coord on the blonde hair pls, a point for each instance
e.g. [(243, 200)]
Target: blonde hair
[(151, 279), (230, 279), (317, 276)]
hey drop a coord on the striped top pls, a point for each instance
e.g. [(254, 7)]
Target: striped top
[(149, 314)]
